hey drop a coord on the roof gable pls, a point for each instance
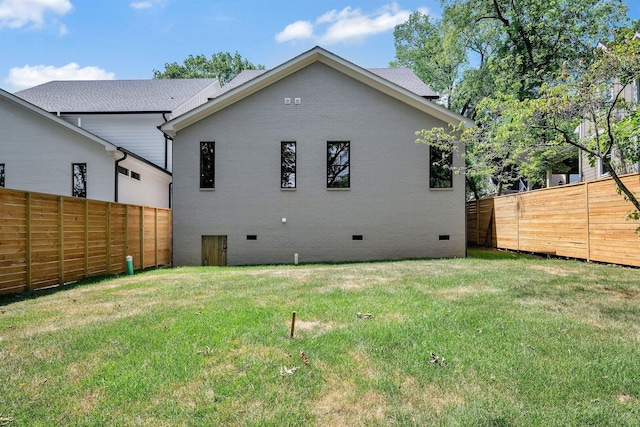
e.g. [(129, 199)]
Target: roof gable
[(56, 120), (254, 82), (403, 77), (117, 96)]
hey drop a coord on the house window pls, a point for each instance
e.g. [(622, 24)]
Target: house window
[(79, 182), (135, 175), (440, 173), (603, 169), (207, 165), (338, 165), (287, 165), (123, 170), (1, 174)]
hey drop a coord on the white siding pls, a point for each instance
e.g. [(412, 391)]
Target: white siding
[(389, 202), (38, 154), (151, 190), (137, 133)]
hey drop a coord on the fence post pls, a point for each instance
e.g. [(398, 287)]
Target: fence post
[(108, 238), (126, 230), (155, 232), (142, 237), (518, 222), (478, 222), (588, 220), (27, 248), (86, 238), (61, 240)]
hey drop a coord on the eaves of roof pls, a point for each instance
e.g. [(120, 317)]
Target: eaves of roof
[(143, 160), (317, 54), (108, 146)]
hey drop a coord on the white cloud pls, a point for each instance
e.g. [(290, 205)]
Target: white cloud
[(299, 30), (18, 13), (147, 4), (28, 76), (141, 4), (346, 26), (63, 30)]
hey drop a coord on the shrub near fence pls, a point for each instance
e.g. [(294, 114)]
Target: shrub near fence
[(586, 220), (48, 240)]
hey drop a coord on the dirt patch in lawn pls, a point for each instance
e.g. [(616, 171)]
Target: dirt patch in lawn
[(429, 397), (625, 398), (342, 404), (305, 329)]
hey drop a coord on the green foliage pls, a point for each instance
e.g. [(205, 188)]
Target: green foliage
[(528, 73), (222, 66), (521, 137), (479, 48)]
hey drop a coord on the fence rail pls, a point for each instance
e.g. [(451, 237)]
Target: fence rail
[(585, 220), (48, 240)]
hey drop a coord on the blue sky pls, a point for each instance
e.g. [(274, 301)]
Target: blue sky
[(43, 40)]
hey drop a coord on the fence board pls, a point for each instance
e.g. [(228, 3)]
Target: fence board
[(585, 220), (48, 240)]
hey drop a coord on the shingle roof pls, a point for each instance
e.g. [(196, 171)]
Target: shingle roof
[(243, 77), (110, 96), (403, 77)]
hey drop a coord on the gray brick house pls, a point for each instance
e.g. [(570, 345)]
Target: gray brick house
[(316, 157)]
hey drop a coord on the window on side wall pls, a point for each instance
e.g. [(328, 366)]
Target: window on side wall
[(207, 165), (603, 170), (79, 180), (338, 164), (288, 164), (1, 174), (440, 173)]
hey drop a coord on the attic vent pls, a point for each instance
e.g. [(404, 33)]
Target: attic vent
[(356, 237), (443, 237), (252, 237)]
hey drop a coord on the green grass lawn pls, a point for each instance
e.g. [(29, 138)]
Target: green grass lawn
[(493, 340)]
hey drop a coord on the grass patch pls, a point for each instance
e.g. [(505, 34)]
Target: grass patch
[(494, 339)]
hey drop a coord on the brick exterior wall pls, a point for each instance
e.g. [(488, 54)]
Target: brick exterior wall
[(389, 202)]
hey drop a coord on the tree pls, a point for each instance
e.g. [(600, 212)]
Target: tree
[(222, 66), (503, 53), (483, 47), (540, 130), (440, 52)]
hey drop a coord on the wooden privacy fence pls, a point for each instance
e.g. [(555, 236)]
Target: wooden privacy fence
[(48, 240), (586, 220)]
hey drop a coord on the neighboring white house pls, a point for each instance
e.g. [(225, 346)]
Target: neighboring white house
[(591, 171), (40, 152), (316, 157), (125, 112), (584, 169)]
